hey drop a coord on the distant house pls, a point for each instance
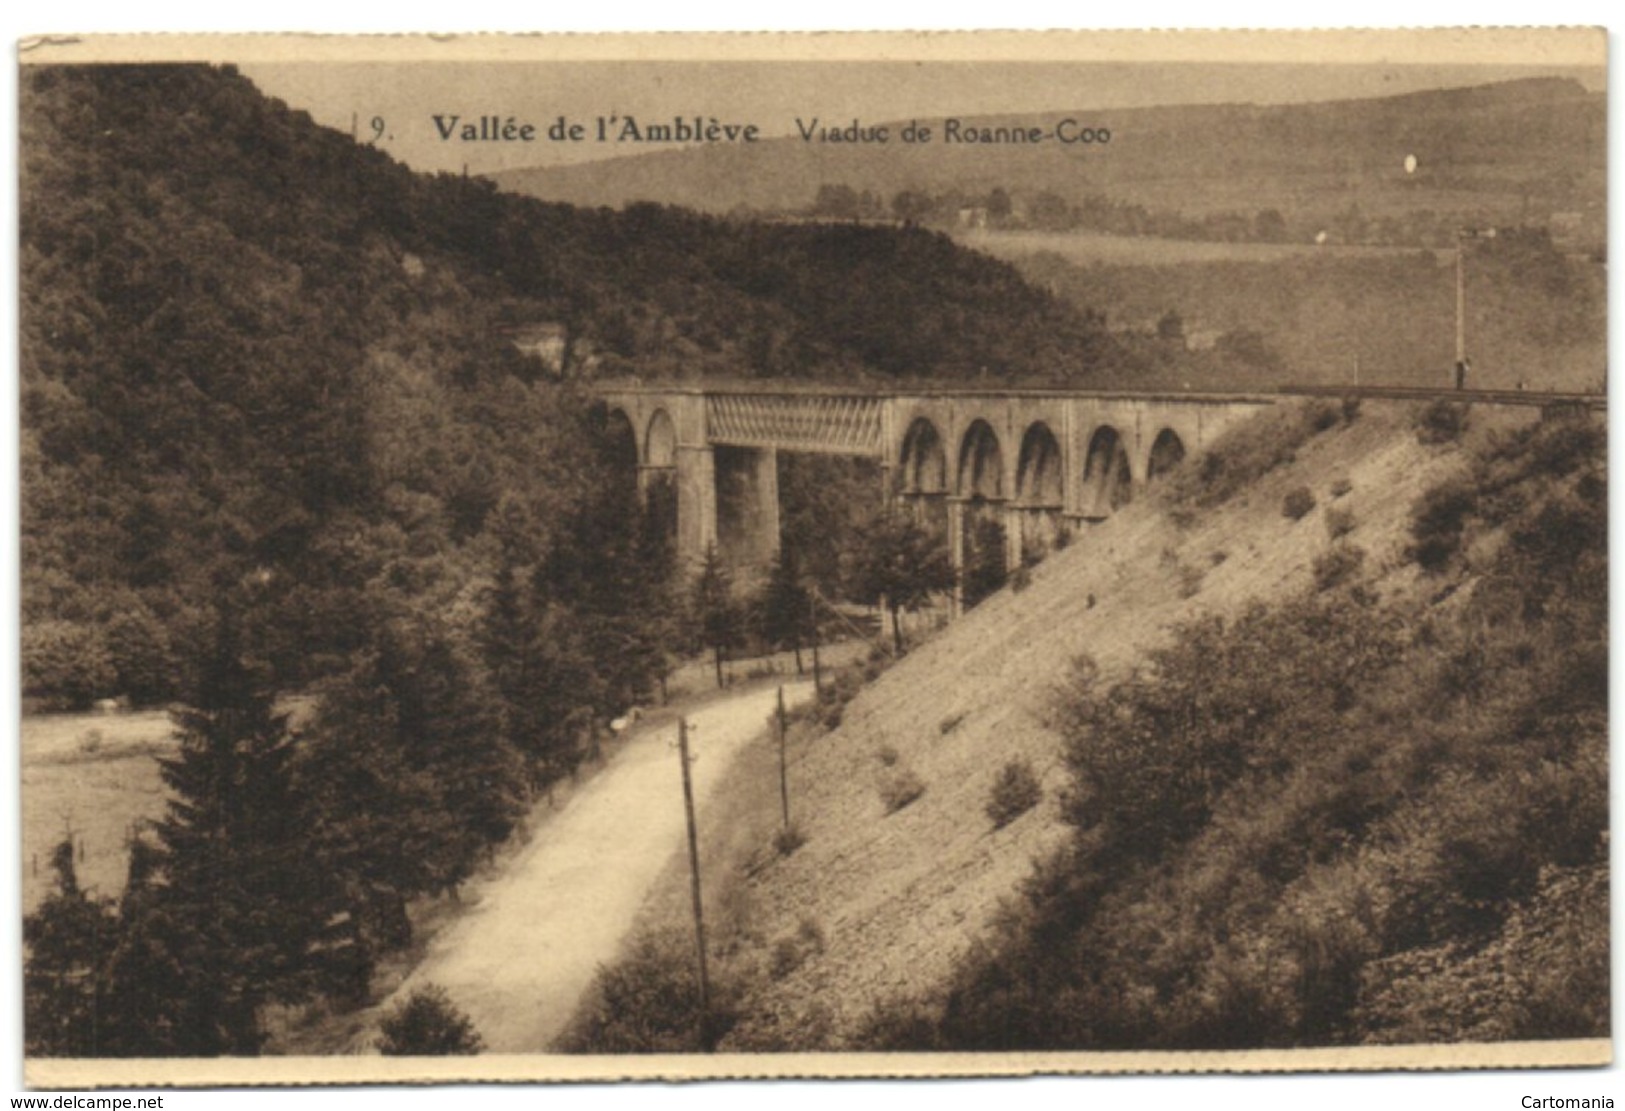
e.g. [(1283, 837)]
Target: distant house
[(1567, 228), (974, 216), (546, 341)]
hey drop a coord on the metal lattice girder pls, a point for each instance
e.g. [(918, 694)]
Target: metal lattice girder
[(828, 424)]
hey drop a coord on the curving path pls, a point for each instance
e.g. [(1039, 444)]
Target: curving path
[(519, 959)]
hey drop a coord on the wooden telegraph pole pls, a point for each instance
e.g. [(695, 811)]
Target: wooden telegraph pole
[(784, 776), (818, 678), (694, 881)]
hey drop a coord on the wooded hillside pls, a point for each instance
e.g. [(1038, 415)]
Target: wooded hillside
[(252, 346)]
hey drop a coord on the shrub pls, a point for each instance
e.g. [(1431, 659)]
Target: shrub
[(1438, 520), (1351, 410), (791, 951), (428, 1024), (1190, 581), (785, 958), (887, 755), (1340, 521), (1021, 579), (648, 1001), (1323, 415), (899, 788), (1442, 421), (142, 657), (1246, 451), (66, 665), (1337, 564), (1297, 503), (788, 840), (1341, 487), (1016, 790)]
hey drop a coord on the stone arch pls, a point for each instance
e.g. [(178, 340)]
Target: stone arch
[(1040, 493), (1107, 479), (621, 436), (1167, 452), (660, 441), (981, 463), (659, 474), (1038, 475), (925, 460)]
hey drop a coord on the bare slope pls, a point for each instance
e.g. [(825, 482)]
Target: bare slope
[(897, 896)]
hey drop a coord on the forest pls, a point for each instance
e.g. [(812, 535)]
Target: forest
[(278, 443)]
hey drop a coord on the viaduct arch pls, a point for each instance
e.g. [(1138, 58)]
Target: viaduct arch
[(1037, 461)]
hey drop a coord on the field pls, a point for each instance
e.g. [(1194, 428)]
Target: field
[(96, 775), (1086, 247)]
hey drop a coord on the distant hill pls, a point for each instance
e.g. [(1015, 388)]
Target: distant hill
[(1513, 151)]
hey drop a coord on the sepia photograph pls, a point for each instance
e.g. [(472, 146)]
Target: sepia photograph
[(627, 556)]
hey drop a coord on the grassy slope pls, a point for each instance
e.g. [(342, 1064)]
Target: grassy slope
[(898, 897)]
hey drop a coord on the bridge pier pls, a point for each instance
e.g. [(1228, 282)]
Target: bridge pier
[(747, 496), (696, 503), (956, 551)]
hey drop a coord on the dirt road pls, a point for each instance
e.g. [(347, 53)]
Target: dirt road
[(519, 959)]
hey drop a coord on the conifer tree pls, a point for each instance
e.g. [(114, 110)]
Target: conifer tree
[(716, 613), (227, 911), (784, 610), (67, 938)]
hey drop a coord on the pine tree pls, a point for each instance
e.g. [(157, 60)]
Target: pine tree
[(447, 727), (68, 938), (784, 611), (227, 912), (377, 822), (716, 613)]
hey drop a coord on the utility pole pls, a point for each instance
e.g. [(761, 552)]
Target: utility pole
[(784, 775), (1461, 309), (694, 882), (812, 608), (1462, 235)]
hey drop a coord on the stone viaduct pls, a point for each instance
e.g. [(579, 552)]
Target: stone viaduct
[(1035, 460)]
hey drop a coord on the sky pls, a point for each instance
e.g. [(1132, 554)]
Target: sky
[(773, 95)]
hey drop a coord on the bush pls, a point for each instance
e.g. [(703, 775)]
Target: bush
[(1438, 520), (788, 840), (1442, 421), (899, 788), (1297, 503), (1340, 521), (648, 1001), (1341, 487), (791, 951), (1016, 790), (428, 1024), (1337, 564), (66, 665), (1246, 452)]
